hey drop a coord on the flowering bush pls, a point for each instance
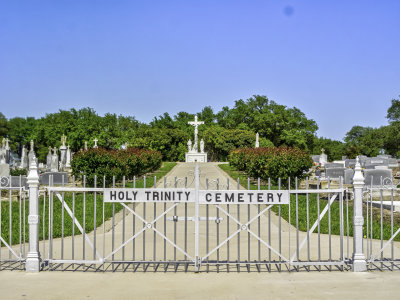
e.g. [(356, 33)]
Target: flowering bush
[(101, 162), (276, 162)]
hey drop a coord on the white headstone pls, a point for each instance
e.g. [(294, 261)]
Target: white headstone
[(69, 155), (95, 143), (257, 141)]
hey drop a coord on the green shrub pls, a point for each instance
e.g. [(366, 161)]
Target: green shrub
[(17, 172), (101, 162), (273, 162)]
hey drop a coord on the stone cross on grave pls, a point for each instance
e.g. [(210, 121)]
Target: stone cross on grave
[(196, 124), (95, 143)]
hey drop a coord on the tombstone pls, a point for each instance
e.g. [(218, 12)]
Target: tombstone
[(334, 165), (48, 160), (16, 181), (350, 163), (323, 158), (24, 158), (7, 151), (54, 161), (4, 169), (95, 143), (393, 163), (377, 177), (334, 173), (348, 176), (344, 158), (68, 159), (31, 153), (58, 178), (63, 152), (387, 156), (257, 140), (86, 146), (381, 167), (315, 158)]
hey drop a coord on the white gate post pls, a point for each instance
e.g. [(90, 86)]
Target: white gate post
[(196, 219), (33, 257), (359, 262)]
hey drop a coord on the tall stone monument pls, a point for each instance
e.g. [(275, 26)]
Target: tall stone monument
[(63, 153), (24, 159), (257, 140), (54, 161), (69, 156), (193, 154), (48, 160)]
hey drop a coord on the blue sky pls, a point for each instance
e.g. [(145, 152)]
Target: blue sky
[(337, 61)]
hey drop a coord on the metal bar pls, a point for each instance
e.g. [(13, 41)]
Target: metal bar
[(196, 215), (144, 218), (73, 225), (123, 224), (84, 219), (297, 222), (113, 226), (248, 219), (381, 194), (238, 226), (308, 220), (259, 225), (227, 229), (329, 223), (391, 227), (341, 220), (134, 224), (94, 218), (269, 224), (155, 225), (320, 216), (165, 224), (280, 224), (104, 227)]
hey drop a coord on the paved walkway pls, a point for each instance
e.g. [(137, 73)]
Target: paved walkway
[(149, 285)]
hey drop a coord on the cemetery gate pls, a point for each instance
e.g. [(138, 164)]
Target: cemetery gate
[(173, 227)]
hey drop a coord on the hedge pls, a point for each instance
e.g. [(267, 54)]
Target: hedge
[(101, 162), (274, 162)]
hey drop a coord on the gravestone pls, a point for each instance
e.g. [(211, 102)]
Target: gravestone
[(16, 181), (315, 158), (7, 151), (381, 167), (376, 177), (4, 169), (95, 143), (334, 165), (323, 158), (350, 163), (54, 161), (86, 146), (58, 178), (348, 176), (48, 160), (334, 173), (69, 156), (63, 153), (384, 156), (257, 140), (31, 154), (393, 163), (24, 158)]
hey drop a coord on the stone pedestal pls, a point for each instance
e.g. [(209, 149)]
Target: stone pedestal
[(196, 157)]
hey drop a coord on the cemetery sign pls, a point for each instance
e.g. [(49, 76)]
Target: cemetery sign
[(117, 195)]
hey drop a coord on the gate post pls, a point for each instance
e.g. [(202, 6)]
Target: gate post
[(359, 262), (33, 258), (196, 219)]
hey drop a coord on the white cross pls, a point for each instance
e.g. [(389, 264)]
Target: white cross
[(95, 143), (196, 125)]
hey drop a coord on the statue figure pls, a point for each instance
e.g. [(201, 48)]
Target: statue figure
[(189, 144), (202, 146)]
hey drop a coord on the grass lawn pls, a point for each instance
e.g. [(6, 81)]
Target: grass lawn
[(313, 208), (77, 203)]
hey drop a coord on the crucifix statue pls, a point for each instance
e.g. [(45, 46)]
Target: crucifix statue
[(32, 145), (196, 124), (95, 143)]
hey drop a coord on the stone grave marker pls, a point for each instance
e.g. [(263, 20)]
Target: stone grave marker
[(58, 178), (334, 173), (348, 176), (375, 176), (334, 165)]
